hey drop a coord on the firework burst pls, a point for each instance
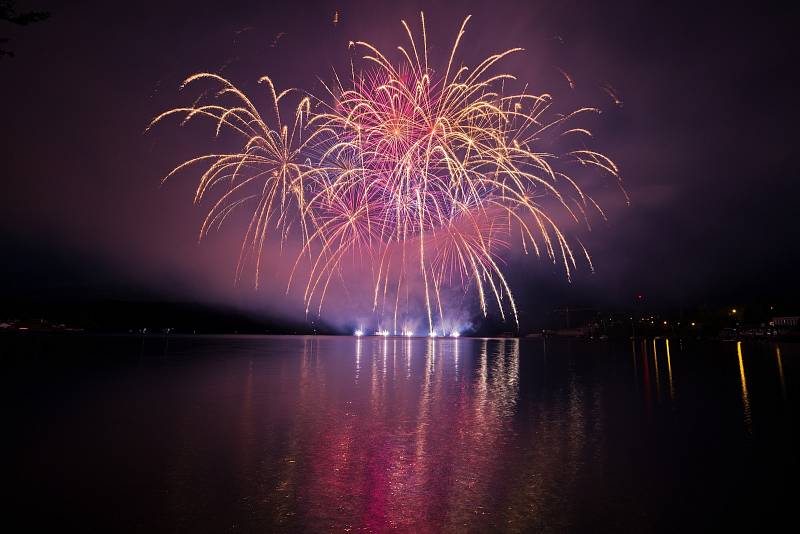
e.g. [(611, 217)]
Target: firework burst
[(431, 175)]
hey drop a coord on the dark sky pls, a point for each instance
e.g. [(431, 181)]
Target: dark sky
[(706, 139)]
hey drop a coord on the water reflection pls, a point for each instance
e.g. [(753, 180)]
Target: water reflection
[(780, 371), (651, 369), (359, 350), (414, 435), (431, 434), (655, 366), (669, 372), (646, 371), (745, 398)]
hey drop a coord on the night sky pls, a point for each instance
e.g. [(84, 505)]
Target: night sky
[(706, 141)]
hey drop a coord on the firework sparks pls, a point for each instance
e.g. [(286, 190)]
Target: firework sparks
[(276, 40), (567, 77), (430, 174), (612, 93), (268, 172)]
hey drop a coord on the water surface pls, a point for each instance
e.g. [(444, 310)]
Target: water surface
[(266, 434)]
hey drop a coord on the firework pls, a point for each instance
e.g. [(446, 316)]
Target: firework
[(268, 172), (429, 174)]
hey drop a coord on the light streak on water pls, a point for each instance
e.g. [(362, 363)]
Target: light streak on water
[(780, 371), (669, 372), (745, 397)]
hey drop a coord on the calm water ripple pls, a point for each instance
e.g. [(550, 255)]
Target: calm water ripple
[(334, 434)]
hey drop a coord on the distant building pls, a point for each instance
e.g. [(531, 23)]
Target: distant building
[(790, 322)]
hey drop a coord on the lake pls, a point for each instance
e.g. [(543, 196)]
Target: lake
[(343, 434)]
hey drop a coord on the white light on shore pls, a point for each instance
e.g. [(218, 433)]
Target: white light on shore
[(454, 334), (432, 334), (358, 333)]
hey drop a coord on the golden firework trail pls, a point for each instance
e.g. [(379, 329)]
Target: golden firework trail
[(432, 175)]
